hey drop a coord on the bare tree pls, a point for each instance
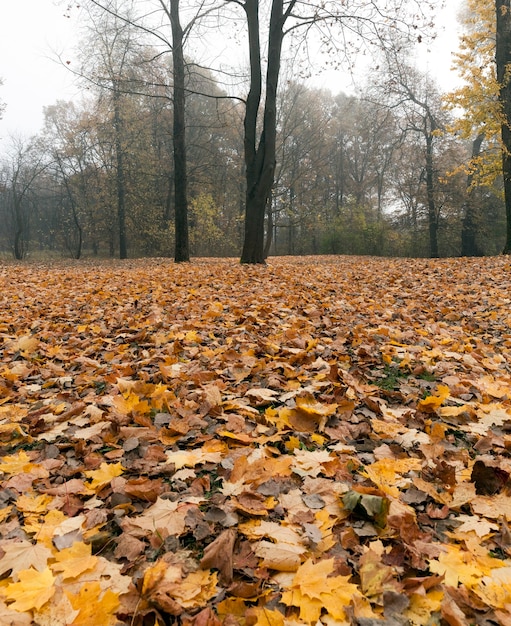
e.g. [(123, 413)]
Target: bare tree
[(276, 19), (176, 43), (111, 66), (24, 164), (414, 95)]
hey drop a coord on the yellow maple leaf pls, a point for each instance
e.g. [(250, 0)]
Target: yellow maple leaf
[(313, 590), (460, 566), (130, 403), (154, 575), (195, 590), (211, 452), (33, 504), (261, 616), (102, 476), (94, 608), (164, 583), (32, 591), (325, 523), (73, 561), (292, 443), (432, 402), (4, 513), (423, 606), (45, 529), (387, 473), (232, 606), (308, 404), (16, 463)]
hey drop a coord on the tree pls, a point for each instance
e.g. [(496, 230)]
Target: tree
[(503, 65), (469, 230), (182, 249), (414, 95), (111, 66), (367, 19), (481, 101), (25, 164), (175, 44)]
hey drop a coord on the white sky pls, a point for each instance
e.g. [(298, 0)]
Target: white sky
[(32, 32)]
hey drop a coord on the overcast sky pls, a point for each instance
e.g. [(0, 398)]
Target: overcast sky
[(32, 32)]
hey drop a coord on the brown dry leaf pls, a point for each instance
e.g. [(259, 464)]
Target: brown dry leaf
[(219, 555), (144, 488), (163, 515), (23, 555), (10, 617)]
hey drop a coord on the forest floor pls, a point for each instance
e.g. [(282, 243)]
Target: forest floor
[(316, 441)]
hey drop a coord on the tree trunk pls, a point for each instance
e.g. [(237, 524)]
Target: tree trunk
[(121, 178), (19, 247), (469, 245), (430, 191), (503, 61), (269, 228), (181, 252), (260, 156)]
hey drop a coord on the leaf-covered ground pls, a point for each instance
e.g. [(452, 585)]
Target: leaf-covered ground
[(318, 441)]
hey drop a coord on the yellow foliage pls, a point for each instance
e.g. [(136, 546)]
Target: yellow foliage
[(102, 476), (314, 590), (73, 561), (477, 97), (93, 607), (32, 591)]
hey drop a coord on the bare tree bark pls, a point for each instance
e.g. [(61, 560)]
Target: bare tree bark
[(430, 193), (182, 251), (260, 155), (469, 246), (120, 174), (503, 62)]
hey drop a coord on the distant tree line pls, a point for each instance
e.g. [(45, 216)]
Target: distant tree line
[(376, 173)]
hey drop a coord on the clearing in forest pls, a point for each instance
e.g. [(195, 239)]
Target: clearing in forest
[(317, 441)]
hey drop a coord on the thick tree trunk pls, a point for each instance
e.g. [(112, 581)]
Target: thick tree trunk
[(182, 251), (469, 230), (503, 61), (260, 156)]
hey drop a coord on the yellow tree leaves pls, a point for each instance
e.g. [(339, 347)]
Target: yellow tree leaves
[(312, 442)]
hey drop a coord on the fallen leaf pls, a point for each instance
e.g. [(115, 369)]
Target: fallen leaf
[(32, 591)]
